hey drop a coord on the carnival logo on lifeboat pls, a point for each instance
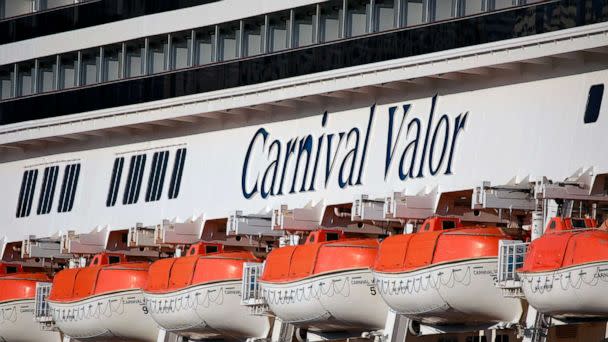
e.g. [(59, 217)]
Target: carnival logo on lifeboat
[(414, 146)]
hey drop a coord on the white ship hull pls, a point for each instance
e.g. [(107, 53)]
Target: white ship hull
[(119, 316), (578, 291), (455, 293), (207, 310), (17, 323), (338, 301)]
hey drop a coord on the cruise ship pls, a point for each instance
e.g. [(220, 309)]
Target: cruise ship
[(303, 170)]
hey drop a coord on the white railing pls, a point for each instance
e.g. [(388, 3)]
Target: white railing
[(251, 293), (42, 309), (511, 256)]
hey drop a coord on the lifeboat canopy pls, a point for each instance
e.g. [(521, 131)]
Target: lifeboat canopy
[(15, 284)]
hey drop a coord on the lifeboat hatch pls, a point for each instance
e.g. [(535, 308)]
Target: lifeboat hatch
[(252, 225), (204, 248)]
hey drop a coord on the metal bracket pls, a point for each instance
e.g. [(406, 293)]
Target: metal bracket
[(366, 209), (87, 243), (33, 247), (307, 218), (402, 206), (514, 196), (141, 236), (176, 233), (255, 225)]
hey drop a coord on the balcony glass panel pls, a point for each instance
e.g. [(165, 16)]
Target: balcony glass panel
[(445, 9), (25, 78), (47, 68), (357, 17), (12, 8), (205, 46), (330, 21), (278, 31), (6, 82), (415, 12), (112, 62), (229, 35), (385, 17), (180, 50), (134, 60), (48, 4), (90, 67), (303, 26), (473, 7), (68, 64), (500, 4), (158, 54), (253, 37)]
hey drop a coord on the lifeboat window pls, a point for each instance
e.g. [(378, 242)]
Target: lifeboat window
[(578, 223), (68, 188), (448, 224), (552, 225), (26, 194), (115, 181), (594, 103), (211, 249), (136, 173), (311, 238), (113, 259), (427, 227), (95, 262), (332, 236), (176, 175), (11, 269), (47, 192), (156, 178)]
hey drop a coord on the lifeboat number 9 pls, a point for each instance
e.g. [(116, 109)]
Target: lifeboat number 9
[(372, 290), (144, 309)]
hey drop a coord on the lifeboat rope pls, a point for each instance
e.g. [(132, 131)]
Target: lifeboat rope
[(573, 279), (187, 301), (307, 291), (431, 280), (9, 315), (86, 311)]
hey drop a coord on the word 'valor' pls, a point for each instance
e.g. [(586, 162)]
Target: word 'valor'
[(274, 167)]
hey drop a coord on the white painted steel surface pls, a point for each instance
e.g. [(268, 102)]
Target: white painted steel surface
[(452, 293), (345, 300), (118, 316), (17, 323), (207, 311), (572, 292)]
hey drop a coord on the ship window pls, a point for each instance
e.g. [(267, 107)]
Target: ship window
[(157, 54), (181, 44), (278, 31), (500, 4), (594, 103), (113, 259), (448, 224), (211, 249), (578, 223), (303, 26), (68, 64), (178, 170), (476, 339), (252, 36), (473, 7), (229, 41), (47, 68), (26, 194), (134, 60), (156, 179), (385, 15), (89, 69), (112, 62), (47, 192), (115, 181), (12, 8), (48, 4), (356, 17), (6, 82), (134, 178), (415, 11), (25, 77), (330, 21), (11, 269), (68, 188), (205, 46), (443, 9), (332, 236)]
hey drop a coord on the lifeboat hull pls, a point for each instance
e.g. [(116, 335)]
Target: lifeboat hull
[(207, 311), (346, 300), (446, 294), (118, 316), (573, 292), (17, 323)]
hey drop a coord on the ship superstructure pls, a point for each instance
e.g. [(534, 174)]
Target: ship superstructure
[(142, 128)]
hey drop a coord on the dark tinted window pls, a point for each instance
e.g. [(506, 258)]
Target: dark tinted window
[(176, 175), (68, 188), (11, 269), (578, 223), (448, 224), (156, 179), (594, 103), (26, 194), (47, 192), (211, 249), (332, 236), (113, 259), (115, 181), (136, 173)]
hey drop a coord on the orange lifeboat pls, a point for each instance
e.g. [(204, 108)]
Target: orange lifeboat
[(17, 293), (565, 271), (103, 301), (443, 275), (325, 284), (199, 295)]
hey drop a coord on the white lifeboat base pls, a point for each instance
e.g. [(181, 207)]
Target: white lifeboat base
[(17, 323), (345, 300), (569, 293), (207, 311), (459, 293), (118, 316)]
